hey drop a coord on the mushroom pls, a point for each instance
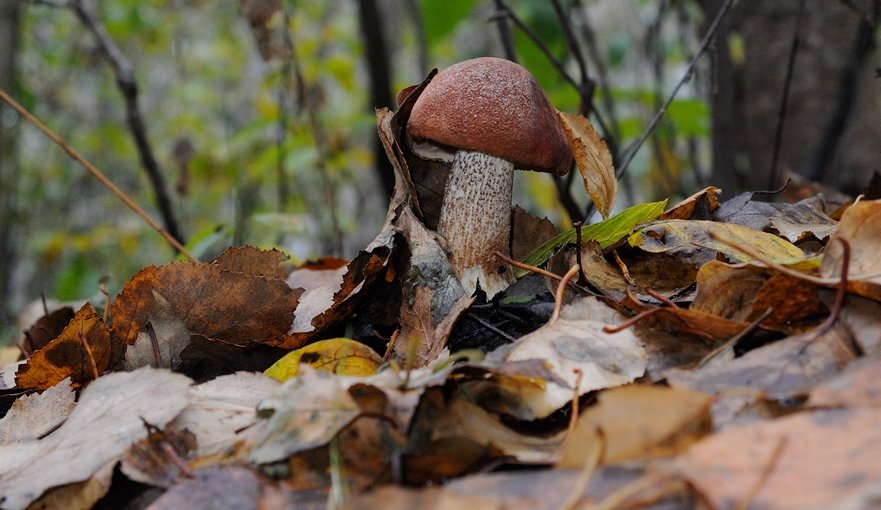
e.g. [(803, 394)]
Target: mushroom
[(486, 116)]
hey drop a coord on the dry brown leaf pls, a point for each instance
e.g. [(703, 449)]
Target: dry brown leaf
[(252, 261), (696, 207), (810, 460), (528, 232), (803, 219), (202, 301), (594, 160), (46, 329), (107, 419), (83, 351), (638, 422)]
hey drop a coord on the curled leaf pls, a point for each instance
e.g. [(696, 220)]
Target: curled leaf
[(593, 159)]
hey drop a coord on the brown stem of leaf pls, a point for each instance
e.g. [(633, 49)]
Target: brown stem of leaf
[(841, 293), (89, 354), (561, 289)]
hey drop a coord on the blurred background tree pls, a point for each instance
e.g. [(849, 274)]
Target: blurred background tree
[(258, 114)]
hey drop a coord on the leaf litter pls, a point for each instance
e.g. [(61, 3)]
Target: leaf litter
[(714, 352)]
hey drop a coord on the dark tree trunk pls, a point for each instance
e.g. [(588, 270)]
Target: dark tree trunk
[(831, 131), (378, 66)]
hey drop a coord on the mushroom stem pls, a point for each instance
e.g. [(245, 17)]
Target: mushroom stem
[(475, 220)]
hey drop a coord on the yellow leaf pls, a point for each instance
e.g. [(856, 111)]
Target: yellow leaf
[(338, 355), (593, 159)]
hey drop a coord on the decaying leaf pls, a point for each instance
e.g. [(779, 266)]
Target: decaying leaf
[(186, 299), (107, 419), (576, 341), (338, 355), (83, 351), (803, 219), (593, 159), (149, 460), (45, 329), (856, 386), (223, 487)]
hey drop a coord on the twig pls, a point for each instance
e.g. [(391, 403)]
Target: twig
[(561, 290), (97, 174), (711, 32), (125, 80), (492, 328), (576, 396), (784, 101), (391, 345), (582, 279), (505, 33), (154, 344)]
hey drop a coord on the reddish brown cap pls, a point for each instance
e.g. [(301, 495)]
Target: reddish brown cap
[(494, 106)]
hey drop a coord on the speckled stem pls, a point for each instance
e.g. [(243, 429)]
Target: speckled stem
[(475, 220)]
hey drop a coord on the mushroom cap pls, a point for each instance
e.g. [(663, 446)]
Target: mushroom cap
[(494, 106)]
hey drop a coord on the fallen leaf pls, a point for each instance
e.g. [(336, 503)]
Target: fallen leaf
[(593, 159), (205, 301), (33, 416), (252, 261), (338, 355), (222, 409), (809, 460), (45, 329), (687, 235), (528, 232), (83, 351), (104, 423), (696, 207), (860, 226), (782, 370), (224, 487), (577, 341), (149, 460), (638, 422), (856, 386), (803, 219)]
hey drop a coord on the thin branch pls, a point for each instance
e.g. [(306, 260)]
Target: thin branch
[(124, 73), (144, 215), (784, 101), (505, 33), (711, 32)]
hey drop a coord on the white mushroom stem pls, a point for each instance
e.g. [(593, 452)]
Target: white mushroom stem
[(475, 220)]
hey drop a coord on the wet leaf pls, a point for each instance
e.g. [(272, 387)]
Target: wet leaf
[(803, 219), (696, 207), (338, 355), (223, 487), (83, 351), (149, 460), (593, 159)]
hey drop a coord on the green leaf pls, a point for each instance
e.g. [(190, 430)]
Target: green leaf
[(606, 233)]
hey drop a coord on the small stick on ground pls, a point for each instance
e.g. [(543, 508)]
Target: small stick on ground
[(154, 343), (750, 496), (586, 472), (841, 293), (391, 345), (89, 354), (538, 270), (576, 394), (730, 343)]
